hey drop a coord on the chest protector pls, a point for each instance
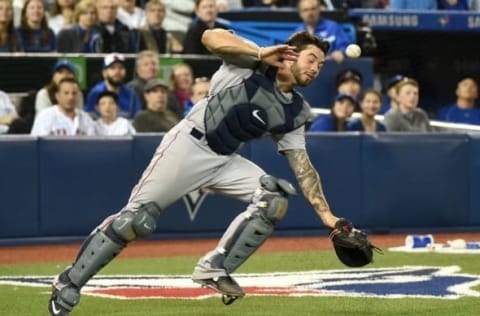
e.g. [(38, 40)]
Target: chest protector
[(250, 110)]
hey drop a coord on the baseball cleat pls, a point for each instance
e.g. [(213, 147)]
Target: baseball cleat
[(224, 285), (64, 297)]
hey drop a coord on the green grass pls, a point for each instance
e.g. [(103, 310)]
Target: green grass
[(19, 301)]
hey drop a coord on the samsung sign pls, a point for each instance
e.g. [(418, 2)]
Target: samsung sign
[(391, 20)]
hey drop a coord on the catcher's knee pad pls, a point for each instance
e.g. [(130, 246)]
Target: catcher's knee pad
[(271, 200), (101, 247), (269, 207), (131, 225)]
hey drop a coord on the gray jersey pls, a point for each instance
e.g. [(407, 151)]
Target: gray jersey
[(184, 155), (230, 75)]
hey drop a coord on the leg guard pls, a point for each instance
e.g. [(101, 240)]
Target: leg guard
[(103, 246), (268, 207)]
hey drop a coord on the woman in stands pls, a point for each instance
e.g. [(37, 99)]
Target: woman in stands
[(182, 83), (9, 40), (80, 37), (34, 31), (370, 104), (336, 121), (61, 14)]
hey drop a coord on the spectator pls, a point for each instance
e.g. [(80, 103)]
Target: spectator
[(474, 5), (199, 91), (45, 97), (61, 14), (114, 36), (226, 5), (457, 5), (147, 67), (130, 14), (10, 122), (152, 34), (413, 5), (109, 124), (331, 31), (351, 4), (182, 81), (349, 81), (390, 100), (206, 11), (408, 117), (370, 104), (9, 39), (64, 118), (269, 3), (336, 121), (80, 37), (463, 110), (178, 16), (114, 73), (156, 118), (34, 32)]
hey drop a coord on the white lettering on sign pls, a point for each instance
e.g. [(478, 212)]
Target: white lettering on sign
[(391, 20)]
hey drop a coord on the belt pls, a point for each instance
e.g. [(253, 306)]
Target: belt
[(196, 133)]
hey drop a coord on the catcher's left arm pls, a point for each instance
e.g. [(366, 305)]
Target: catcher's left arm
[(310, 184), (351, 245)]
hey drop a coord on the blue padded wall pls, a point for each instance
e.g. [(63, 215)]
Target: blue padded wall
[(81, 181), (18, 187), (415, 181)]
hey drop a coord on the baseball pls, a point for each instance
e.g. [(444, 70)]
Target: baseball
[(353, 51)]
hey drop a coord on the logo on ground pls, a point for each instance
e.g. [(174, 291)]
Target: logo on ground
[(410, 281)]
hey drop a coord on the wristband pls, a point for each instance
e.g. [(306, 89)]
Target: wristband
[(259, 53)]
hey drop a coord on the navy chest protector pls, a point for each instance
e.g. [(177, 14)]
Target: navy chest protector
[(250, 110)]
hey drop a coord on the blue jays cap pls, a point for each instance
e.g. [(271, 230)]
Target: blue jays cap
[(113, 58), (394, 80), (64, 64), (347, 75), (343, 96)]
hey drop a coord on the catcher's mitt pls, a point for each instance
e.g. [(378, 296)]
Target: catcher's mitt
[(351, 245)]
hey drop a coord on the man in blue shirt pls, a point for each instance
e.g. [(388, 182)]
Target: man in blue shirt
[(413, 5), (331, 31), (114, 73), (463, 110)]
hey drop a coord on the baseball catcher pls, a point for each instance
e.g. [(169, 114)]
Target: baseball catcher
[(351, 245)]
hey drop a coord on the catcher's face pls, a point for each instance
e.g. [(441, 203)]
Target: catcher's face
[(308, 65)]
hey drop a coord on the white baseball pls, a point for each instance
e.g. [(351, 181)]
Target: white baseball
[(353, 51)]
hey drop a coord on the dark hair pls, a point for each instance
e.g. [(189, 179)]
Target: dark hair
[(302, 39), (44, 29), (69, 80), (370, 91), (11, 38), (107, 93)]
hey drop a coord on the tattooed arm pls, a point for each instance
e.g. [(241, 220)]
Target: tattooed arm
[(309, 181)]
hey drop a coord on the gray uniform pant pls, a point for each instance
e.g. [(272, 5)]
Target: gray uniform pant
[(183, 163)]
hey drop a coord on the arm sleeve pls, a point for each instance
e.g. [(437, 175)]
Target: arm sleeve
[(292, 140), (91, 100), (342, 39)]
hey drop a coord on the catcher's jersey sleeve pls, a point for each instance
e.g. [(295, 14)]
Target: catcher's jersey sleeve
[(292, 140)]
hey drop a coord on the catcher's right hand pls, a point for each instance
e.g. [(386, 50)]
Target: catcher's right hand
[(351, 245)]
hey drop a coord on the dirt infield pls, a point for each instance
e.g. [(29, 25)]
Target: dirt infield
[(162, 248)]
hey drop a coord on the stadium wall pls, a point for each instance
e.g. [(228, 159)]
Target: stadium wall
[(57, 187)]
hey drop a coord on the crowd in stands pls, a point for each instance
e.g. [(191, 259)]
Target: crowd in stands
[(118, 105)]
